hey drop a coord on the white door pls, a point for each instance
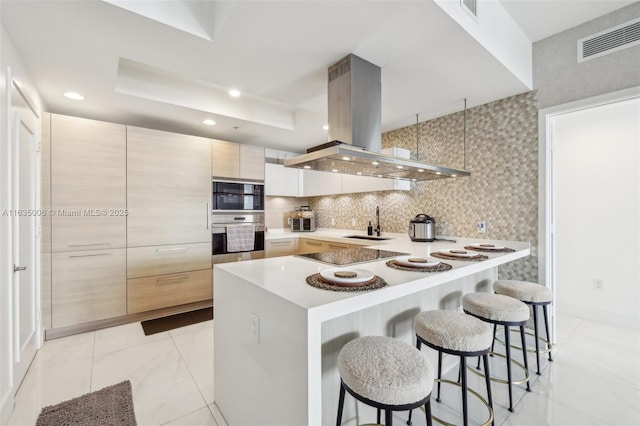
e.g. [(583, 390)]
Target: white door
[(25, 291)]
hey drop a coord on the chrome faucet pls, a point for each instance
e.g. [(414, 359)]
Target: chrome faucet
[(378, 221)]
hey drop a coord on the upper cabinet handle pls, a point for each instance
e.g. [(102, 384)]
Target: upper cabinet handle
[(89, 245)]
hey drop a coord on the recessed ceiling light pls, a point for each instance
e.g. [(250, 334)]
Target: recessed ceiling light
[(74, 95), (234, 92), (325, 127), (375, 163), (209, 122), (307, 167)]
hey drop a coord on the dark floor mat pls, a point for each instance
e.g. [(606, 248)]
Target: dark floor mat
[(159, 325)]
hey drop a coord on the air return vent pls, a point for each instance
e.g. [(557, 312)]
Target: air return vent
[(609, 41)]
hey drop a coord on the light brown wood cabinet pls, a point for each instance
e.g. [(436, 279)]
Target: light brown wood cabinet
[(88, 184), (309, 245), (88, 286), (168, 188), (236, 161), (162, 291), (165, 259), (281, 247)]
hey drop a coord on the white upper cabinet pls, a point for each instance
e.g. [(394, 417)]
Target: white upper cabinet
[(282, 181), (320, 183)]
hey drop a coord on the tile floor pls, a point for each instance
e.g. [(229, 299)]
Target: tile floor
[(594, 379)]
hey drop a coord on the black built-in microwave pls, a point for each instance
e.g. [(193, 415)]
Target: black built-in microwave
[(238, 195)]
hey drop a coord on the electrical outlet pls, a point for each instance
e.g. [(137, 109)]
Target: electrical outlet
[(333, 221), (255, 328), (598, 285), (353, 222), (482, 227), (288, 221)]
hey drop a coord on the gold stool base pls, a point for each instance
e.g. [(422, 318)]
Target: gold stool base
[(484, 401), (533, 351), (527, 376)]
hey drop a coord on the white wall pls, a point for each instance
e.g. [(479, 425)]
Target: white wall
[(597, 196), (9, 59)]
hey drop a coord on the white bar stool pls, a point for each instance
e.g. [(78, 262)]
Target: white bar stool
[(457, 334), (385, 373), (502, 310), (533, 295)]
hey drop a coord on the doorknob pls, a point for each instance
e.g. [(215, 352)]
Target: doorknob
[(18, 268)]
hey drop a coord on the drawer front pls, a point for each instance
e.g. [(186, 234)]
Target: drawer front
[(167, 259), (311, 246), (88, 286), (163, 291), (285, 247), (78, 233)]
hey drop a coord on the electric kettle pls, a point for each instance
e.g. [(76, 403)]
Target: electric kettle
[(422, 228)]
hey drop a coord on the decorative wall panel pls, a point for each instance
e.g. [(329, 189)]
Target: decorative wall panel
[(502, 156)]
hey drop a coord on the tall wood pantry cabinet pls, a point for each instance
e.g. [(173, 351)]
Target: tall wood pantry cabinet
[(88, 221), (168, 226)]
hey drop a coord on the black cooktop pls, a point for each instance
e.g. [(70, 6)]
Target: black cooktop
[(351, 256)]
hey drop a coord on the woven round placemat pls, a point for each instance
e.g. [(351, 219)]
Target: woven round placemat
[(446, 256), (490, 250), (316, 281), (440, 267)]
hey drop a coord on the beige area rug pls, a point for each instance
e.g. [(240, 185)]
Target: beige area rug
[(110, 406)]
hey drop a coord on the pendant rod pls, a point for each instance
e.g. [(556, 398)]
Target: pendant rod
[(465, 135)]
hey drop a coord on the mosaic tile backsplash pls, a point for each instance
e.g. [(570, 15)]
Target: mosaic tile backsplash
[(502, 191)]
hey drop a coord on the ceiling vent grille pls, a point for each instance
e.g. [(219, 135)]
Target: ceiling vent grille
[(470, 6), (609, 41)]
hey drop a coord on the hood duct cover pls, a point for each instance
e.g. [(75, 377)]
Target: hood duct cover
[(354, 110)]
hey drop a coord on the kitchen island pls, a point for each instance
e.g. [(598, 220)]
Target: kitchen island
[(276, 338)]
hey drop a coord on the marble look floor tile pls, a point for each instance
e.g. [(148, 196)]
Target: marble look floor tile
[(192, 327), (606, 358), (201, 417), (537, 410), (47, 386), (155, 405), (196, 349), (124, 336), (64, 350), (595, 396), (161, 383)]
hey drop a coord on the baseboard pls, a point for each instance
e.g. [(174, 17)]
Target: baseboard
[(55, 333), (6, 408), (606, 317)]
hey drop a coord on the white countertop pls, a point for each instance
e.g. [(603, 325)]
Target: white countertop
[(286, 276)]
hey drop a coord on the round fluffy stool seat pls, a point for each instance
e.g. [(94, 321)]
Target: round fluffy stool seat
[(385, 373), (453, 331), (523, 290), (461, 335), (495, 307), (385, 370), (535, 295)]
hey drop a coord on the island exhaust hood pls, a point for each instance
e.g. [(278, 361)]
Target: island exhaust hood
[(354, 94)]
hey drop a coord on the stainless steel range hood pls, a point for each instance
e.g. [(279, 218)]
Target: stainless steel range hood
[(354, 94)]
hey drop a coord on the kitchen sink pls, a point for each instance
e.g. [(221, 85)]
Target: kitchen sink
[(366, 237)]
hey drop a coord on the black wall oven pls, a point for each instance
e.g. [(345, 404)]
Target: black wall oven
[(252, 226), (233, 196)]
